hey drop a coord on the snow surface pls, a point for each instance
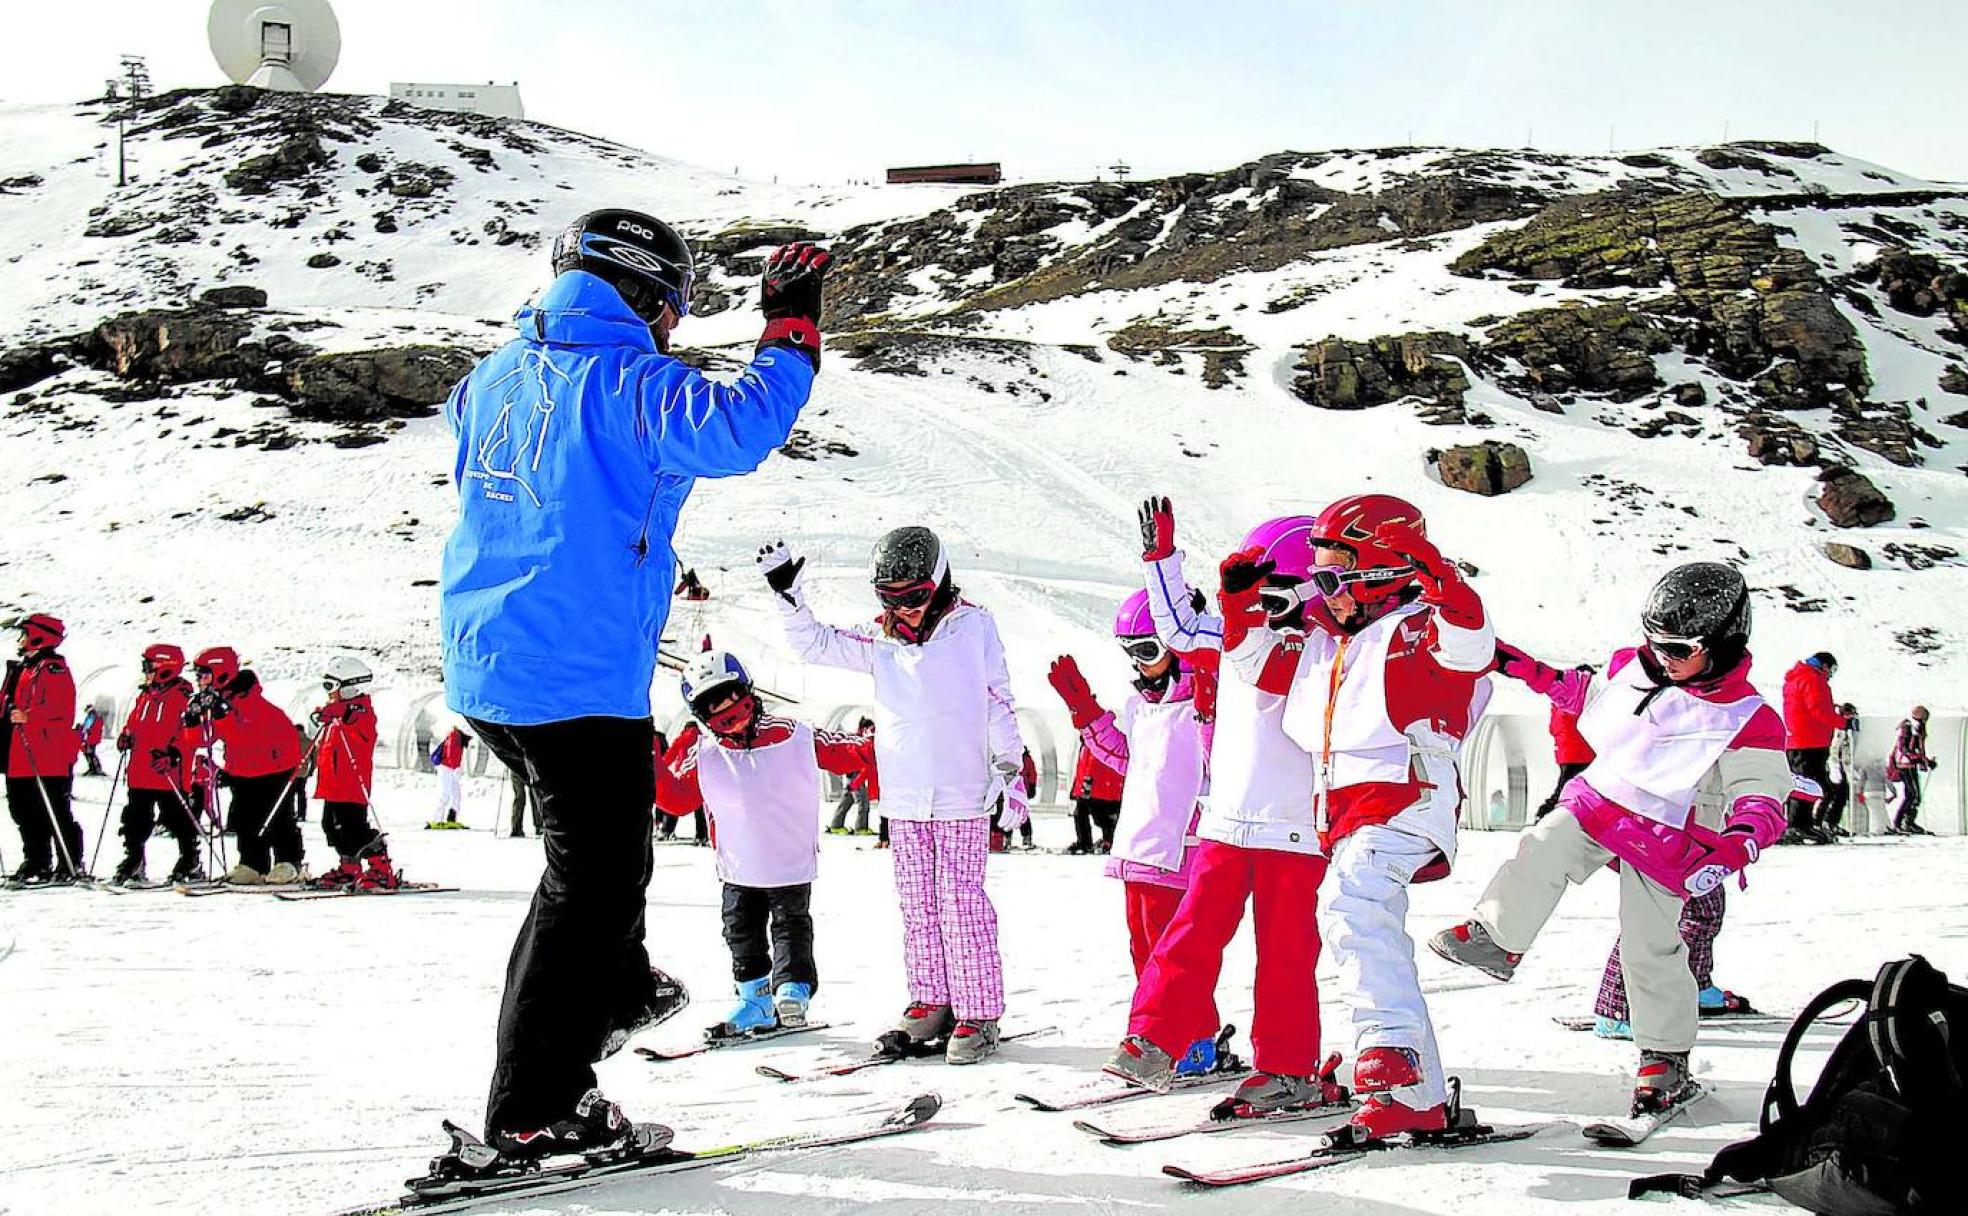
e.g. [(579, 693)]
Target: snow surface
[(238, 1053)]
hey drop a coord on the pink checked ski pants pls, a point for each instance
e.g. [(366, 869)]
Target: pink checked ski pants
[(949, 928)]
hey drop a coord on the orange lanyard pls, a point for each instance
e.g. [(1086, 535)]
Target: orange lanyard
[(1332, 698)]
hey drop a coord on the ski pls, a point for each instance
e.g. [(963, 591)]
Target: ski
[(883, 1055), (199, 890), (1113, 1089), (453, 1187), (408, 888), (133, 888), (1338, 1151), (656, 1056), (1749, 1019), (80, 884), (1635, 1129), (1218, 1119)]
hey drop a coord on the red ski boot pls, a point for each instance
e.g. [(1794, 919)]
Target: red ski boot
[(381, 875), (1378, 1071), (342, 877)]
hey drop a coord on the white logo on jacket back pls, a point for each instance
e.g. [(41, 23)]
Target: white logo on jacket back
[(507, 454)]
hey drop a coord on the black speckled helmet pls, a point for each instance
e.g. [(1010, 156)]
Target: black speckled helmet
[(1703, 604), (909, 555)]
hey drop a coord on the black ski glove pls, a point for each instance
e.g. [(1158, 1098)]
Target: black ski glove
[(1157, 518), (791, 286)]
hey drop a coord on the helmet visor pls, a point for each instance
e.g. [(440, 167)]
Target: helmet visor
[(1145, 651), (1676, 649), (905, 595)]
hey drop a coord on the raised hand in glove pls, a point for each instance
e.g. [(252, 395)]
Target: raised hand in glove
[(781, 570), (1406, 542), (1242, 576), (1072, 687), (789, 296), (1157, 518)]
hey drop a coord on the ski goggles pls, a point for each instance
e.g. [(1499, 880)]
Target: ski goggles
[(665, 281), (341, 685), (1677, 649), (1324, 582), (905, 595), (1145, 651)]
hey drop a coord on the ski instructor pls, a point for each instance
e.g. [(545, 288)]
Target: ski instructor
[(578, 442)]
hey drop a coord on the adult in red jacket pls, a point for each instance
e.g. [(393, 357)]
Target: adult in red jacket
[(1569, 749), (345, 769), (157, 773), (260, 760), (1096, 800), (37, 716), (1810, 719)]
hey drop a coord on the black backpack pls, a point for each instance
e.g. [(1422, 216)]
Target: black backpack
[(1879, 1134)]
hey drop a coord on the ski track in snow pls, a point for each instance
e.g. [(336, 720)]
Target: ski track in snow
[(170, 1055)]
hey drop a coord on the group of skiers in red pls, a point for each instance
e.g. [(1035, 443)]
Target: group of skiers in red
[(180, 743)]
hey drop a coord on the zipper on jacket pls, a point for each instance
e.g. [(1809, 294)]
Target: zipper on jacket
[(641, 545)]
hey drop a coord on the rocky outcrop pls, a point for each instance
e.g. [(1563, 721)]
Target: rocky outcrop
[(1955, 380), (1775, 440), (1488, 468), (170, 345), (1221, 350), (368, 385), (1919, 285), (238, 295), (295, 159), (1883, 428), (1338, 374), (1849, 556), (1850, 500), (1594, 348)]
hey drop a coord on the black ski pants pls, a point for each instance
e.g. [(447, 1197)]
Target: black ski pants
[(1909, 810), (263, 821), (522, 796), (346, 825), (579, 967), (1831, 813), (37, 805), (1087, 812), (1814, 763), (770, 932), (1565, 773), (145, 810)]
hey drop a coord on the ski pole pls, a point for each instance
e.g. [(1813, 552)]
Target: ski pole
[(280, 803), (47, 803), (122, 759), (368, 800)]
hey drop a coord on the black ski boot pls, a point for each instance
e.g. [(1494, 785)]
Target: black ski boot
[(667, 998), (596, 1128), (31, 874), (188, 870), (129, 871)]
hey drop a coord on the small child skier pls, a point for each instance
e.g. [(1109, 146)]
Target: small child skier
[(1159, 745), (345, 755), (262, 760), (948, 750), (758, 776), (1687, 787), (448, 761), (154, 767)]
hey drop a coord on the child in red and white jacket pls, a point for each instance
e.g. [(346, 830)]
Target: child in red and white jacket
[(758, 777), (345, 768), (37, 716), (262, 757), (1686, 787), (155, 771)]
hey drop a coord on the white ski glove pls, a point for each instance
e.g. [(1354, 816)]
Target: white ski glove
[(1015, 811), (781, 570)]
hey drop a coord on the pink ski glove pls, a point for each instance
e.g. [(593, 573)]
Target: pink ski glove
[(1732, 853)]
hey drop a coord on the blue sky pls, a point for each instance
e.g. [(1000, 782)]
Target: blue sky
[(825, 90)]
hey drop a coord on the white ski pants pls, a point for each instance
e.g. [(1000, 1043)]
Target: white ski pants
[(1556, 853), (450, 793), (1364, 919)]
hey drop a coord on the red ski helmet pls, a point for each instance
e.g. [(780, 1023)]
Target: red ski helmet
[(1350, 523), (221, 661), (41, 631), (163, 660)]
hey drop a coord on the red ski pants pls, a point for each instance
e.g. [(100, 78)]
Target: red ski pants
[(1175, 1001), (1149, 910)]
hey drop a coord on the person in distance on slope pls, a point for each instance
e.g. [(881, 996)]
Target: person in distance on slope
[(1381, 696), (90, 732), (1259, 840), (1810, 719), (37, 714), (578, 443), (1909, 759), (758, 775), (1844, 786), (948, 753), (448, 762), (1686, 789), (855, 796), (1160, 747), (155, 769), (345, 768), (1096, 794), (262, 760)]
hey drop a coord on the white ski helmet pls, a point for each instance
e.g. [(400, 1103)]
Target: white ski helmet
[(708, 672), (345, 674)]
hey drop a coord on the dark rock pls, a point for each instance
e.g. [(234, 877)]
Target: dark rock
[(1850, 500), (385, 222), (1777, 441), (1597, 348), (1729, 158), (1488, 468), (235, 98), (123, 223), (237, 295), (1955, 380), (322, 261), (363, 386), (1222, 351), (171, 345), (1883, 428), (1337, 374), (369, 162), (297, 157), (414, 180), (27, 365), (26, 181), (1689, 394), (1850, 556), (1917, 284)]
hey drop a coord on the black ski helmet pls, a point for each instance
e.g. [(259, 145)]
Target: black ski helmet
[(909, 555), (1701, 601), (638, 255)]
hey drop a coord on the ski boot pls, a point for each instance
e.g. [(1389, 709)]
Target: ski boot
[(973, 1041), (31, 874), (1469, 945), (188, 870), (1612, 1028), (790, 1001), (596, 1128), (925, 1023), (129, 872), (754, 1012), (1377, 1074), (344, 876), (1208, 1055), (1264, 1093), (243, 875), (283, 873), (1662, 1083), (667, 997), (1716, 1002), (1139, 1062), (379, 875)]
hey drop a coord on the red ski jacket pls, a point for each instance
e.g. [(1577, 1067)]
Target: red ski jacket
[(345, 759), (1567, 745), (452, 753), (1809, 715), (42, 687), (259, 739), (90, 731), (155, 724), (1092, 779)]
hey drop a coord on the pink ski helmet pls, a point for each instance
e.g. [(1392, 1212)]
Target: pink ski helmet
[(1134, 620), (1286, 541)]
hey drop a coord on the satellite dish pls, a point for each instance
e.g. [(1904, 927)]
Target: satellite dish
[(289, 46)]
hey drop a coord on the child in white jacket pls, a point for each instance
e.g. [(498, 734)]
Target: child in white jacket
[(947, 747)]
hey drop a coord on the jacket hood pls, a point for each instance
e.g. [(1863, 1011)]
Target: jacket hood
[(579, 309)]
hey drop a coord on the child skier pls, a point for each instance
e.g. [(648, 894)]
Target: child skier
[(37, 724), (262, 757), (1159, 745), (345, 766), (155, 768), (90, 731), (448, 759), (1687, 787), (759, 778), (1908, 760), (1381, 697), (1258, 845), (1701, 924), (948, 750)]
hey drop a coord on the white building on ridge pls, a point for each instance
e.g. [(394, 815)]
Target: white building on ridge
[(498, 100)]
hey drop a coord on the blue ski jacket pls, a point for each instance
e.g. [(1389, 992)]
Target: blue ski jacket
[(578, 443)]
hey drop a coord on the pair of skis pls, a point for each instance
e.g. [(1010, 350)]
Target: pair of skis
[(720, 1042), (892, 1048), (472, 1173)]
